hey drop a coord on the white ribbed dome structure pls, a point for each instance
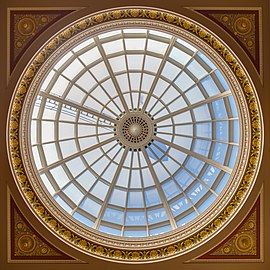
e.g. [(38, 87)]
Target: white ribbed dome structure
[(134, 132)]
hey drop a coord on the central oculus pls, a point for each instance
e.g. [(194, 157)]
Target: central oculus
[(135, 130)]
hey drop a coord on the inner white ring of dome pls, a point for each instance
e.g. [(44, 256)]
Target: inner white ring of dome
[(128, 191)]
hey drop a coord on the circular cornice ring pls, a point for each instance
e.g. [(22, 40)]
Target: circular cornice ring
[(175, 246)]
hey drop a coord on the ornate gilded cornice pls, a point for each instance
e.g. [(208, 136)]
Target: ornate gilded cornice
[(175, 246)]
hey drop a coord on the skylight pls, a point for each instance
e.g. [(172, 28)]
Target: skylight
[(134, 132)]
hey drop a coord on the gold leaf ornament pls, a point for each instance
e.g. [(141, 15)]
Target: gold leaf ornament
[(247, 88), (253, 106), (29, 73), (82, 243), (117, 254), (67, 234), (244, 242), (153, 253), (135, 12), (30, 195), (135, 255), (203, 234), (99, 18), (14, 124), (52, 45), (217, 45), (40, 58), (21, 178), (240, 194), (67, 33), (26, 243), (52, 223), (239, 72), (256, 142), (187, 24), (202, 33), (171, 249), (82, 24), (14, 143), (229, 58), (188, 243), (170, 18), (99, 249), (22, 89), (230, 209), (40, 210), (256, 123), (117, 14), (253, 160), (17, 107), (152, 14), (217, 223), (248, 178), (17, 161)]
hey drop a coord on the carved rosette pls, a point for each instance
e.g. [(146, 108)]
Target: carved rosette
[(102, 248)]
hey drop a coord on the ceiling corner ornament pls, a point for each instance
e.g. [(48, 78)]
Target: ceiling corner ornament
[(243, 26), (103, 247), (26, 26), (242, 244), (27, 245)]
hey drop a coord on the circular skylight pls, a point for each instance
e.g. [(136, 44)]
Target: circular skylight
[(134, 132)]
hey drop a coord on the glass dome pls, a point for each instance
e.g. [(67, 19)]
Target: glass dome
[(134, 132)]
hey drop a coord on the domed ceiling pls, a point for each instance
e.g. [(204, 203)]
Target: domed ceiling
[(134, 134)]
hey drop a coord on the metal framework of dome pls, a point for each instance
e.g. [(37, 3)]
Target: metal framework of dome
[(134, 132)]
